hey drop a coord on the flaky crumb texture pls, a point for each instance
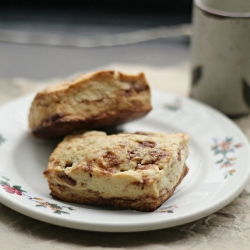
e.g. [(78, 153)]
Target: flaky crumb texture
[(130, 170)]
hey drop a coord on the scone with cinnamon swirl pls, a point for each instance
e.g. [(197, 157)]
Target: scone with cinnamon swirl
[(90, 101), (129, 170)]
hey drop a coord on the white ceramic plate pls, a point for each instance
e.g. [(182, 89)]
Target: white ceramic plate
[(218, 161)]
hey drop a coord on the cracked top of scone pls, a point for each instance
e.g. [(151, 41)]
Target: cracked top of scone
[(135, 155), (89, 101)]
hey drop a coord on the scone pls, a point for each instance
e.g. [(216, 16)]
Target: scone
[(90, 101), (133, 171)]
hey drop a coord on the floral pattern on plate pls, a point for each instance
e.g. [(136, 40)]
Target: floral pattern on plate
[(175, 105), (168, 209), (2, 139), (15, 189), (199, 121), (226, 150)]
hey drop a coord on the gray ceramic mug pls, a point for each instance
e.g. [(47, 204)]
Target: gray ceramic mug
[(221, 55)]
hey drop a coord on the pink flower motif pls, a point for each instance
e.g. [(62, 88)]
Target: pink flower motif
[(16, 189), (225, 149), (225, 145), (9, 189), (12, 190), (226, 165), (238, 145), (18, 192)]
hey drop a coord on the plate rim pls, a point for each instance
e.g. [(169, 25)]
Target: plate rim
[(142, 226)]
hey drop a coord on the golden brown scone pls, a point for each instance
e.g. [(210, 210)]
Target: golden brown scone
[(133, 171), (90, 101)]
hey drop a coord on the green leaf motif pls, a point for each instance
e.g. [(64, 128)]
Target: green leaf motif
[(172, 108), (4, 183), (2, 139), (216, 152), (224, 152), (167, 207), (64, 212), (55, 206), (226, 148), (19, 188), (220, 161), (39, 201)]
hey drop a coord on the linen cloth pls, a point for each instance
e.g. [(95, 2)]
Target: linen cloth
[(229, 228)]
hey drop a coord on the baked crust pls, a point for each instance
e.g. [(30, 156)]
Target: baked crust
[(90, 101), (134, 171)]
